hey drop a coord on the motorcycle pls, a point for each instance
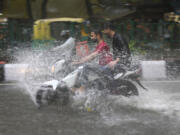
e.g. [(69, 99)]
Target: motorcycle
[(84, 77), (67, 79)]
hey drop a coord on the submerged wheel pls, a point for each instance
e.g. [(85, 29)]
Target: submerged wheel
[(123, 87)]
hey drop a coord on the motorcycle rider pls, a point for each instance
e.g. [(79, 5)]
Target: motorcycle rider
[(121, 51), (101, 50)]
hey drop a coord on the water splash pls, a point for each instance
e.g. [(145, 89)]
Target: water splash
[(113, 109)]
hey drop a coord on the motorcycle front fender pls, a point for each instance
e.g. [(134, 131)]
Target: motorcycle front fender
[(71, 78)]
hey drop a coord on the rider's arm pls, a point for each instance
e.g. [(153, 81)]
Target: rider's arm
[(117, 60), (87, 58), (113, 63)]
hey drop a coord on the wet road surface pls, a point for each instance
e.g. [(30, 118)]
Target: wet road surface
[(156, 112)]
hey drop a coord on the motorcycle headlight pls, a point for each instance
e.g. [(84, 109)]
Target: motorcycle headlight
[(53, 69)]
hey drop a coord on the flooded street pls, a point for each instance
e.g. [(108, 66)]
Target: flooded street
[(89, 67), (154, 112)]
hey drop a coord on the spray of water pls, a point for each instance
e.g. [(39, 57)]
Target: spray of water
[(110, 107)]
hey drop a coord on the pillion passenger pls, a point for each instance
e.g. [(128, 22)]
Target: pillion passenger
[(121, 51)]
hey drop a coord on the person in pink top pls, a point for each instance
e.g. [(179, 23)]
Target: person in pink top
[(102, 50)]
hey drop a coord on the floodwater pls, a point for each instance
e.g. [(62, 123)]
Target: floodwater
[(154, 112)]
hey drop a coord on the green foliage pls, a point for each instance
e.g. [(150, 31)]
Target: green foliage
[(134, 48)]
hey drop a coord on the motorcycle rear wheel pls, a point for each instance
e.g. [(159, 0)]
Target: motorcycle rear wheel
[(124, 88)]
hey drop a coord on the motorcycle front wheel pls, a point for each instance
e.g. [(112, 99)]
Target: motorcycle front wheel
[(123, 87)]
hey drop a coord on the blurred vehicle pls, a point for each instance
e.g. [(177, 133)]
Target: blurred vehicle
[(50, 32)]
